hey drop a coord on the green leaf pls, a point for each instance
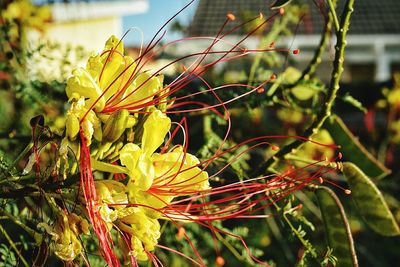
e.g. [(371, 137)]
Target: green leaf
[(303, 92), (280, 3), (352, 149), (370, 202), (354, 102), (336, 227)]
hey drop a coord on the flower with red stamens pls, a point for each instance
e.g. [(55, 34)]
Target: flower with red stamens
[(118, 115)]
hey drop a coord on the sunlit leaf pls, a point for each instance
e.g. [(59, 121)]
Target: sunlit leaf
[(370, 202), (353, 150), (303, 92)]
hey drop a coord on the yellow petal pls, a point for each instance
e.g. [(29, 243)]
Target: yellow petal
[(156, 127), (82, 84), (142, 90), (129, 155)]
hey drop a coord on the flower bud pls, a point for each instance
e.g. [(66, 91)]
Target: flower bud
[(72, 127), (115, 125)]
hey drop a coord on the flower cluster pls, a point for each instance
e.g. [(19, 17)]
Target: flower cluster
[(124, 143), (131, 172)]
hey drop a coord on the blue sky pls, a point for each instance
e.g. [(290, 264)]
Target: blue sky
[(159, 12)]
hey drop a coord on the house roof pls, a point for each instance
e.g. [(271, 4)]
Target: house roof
[(369, 17)]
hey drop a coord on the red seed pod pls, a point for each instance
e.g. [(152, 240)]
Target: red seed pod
[(296, 51)]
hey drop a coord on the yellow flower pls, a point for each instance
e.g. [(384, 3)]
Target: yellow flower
[(155, 179), (144, 232), (66, 244), (112, 81), (110, 192)]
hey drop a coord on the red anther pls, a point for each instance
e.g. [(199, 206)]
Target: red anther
[(296, 52), (181, 233), (230, 16), (273, 77), (347, 191), (340, 156), (260, 90), (275, 147), (281, 11), (320, 180), (220, 261), (300, 206)]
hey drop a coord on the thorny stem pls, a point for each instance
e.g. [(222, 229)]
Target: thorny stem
[(14, 247), (332, 90), (312, 66)]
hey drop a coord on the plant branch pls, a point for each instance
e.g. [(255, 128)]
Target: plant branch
[(49, 187), (14, 247), (312, 66), (35, 235), (334, 16), (332, 90)]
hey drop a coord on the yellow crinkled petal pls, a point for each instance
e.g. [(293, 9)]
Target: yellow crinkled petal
[(143, 89), (81, 84), (155, 127), (94, 66), (129, 155), (66, 246), (111, 192), (186, 176), (145, 232), (68, 251)]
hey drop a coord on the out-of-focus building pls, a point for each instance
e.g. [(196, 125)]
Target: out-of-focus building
[(88, 23), (373, 43)]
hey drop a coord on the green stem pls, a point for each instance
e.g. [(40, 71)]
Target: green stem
[(35, 235), (305, 243), (29, 190), (230, 247), (312, 66), (273, 34), (332, 91), (14, 247), (334, 16)]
